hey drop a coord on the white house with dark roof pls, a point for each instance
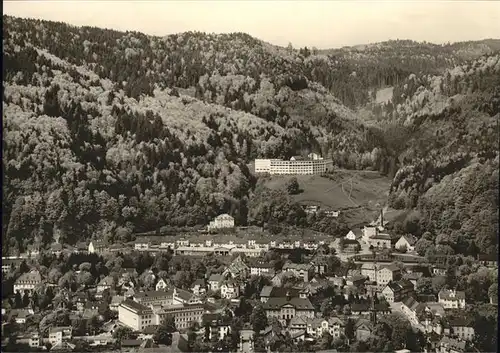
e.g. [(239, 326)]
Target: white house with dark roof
[(223, 221), (395, 291), (214, 282), (451, 299), (229, 289), (199, 287), (407, 241), (317, 327), (286, 308)]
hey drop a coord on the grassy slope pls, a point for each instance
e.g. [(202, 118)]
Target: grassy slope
[(369, 192)]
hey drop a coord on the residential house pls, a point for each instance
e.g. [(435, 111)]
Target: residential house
[(237, 269), (297, 324), (214, 282), (97, 247), (35, 340), (396, 291), (317, 327), (337, 281), (59, 334), (383, 241), (302, 271), (106, 283), (199, 287), (351, 246), (363, 329), (223, 221), (229, 289), (407, 242), (246, 339), (369, 270), (439, 270), (356, 281), (364, 308), (217, 326), (320, 265), (261, 268), (27, 282), (286, 308), (56, 249), (451, 299), (20, 315), (161, 285), (413, 277), (462, 327), (181, 296), (351, 236), (450, 345), (412, 310)]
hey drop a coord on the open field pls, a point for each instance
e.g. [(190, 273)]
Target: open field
[(359, 195)]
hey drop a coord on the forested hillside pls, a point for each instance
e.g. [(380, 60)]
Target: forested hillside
[(100, 141)]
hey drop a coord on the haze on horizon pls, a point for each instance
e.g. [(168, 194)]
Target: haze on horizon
[(321, 24)]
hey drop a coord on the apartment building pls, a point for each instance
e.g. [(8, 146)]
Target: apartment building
[(397, 290), (229, 290), (302, 271), (135, 315), (297, 165)]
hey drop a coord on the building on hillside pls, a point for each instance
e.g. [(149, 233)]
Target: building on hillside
[(27, 282), (214, 282), (238, 268), (413, 277), (297, 165), (351, 236), (320, 264), (57, 335), (396, 291), (406, 242), (229, 289), (217, 327), (280, 292), (451, 299), (223, 221), (35, 340), (97, 247), (286, 308), (387, 273), (302, 271), (199, 287), (135, 315)]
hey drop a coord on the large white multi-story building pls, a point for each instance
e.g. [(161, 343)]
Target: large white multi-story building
[(451, 299), (223, 221), (314, 164)]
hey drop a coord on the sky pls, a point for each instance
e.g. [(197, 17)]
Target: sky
[(321, 24)]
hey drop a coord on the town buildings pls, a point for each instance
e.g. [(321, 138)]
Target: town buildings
[(286, 308), (406, 242), (135, 315), (395, 291), (297, 165)]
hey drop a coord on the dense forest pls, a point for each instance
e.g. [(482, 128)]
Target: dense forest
[(109, 133)]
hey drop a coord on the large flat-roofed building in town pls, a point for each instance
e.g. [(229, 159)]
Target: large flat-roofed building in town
[(184, 314), (314, 164), (135, 315)]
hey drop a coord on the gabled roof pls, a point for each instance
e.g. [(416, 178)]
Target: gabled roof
[(266, 291), (106, 281), (32, 276), (183, 294), (297, 321), (199, 282), (391, 267), (410, 239), (297, 303), (452, 343), (216, 277), (448, 294)]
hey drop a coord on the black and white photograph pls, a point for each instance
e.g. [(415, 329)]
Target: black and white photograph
[(252, 176)]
